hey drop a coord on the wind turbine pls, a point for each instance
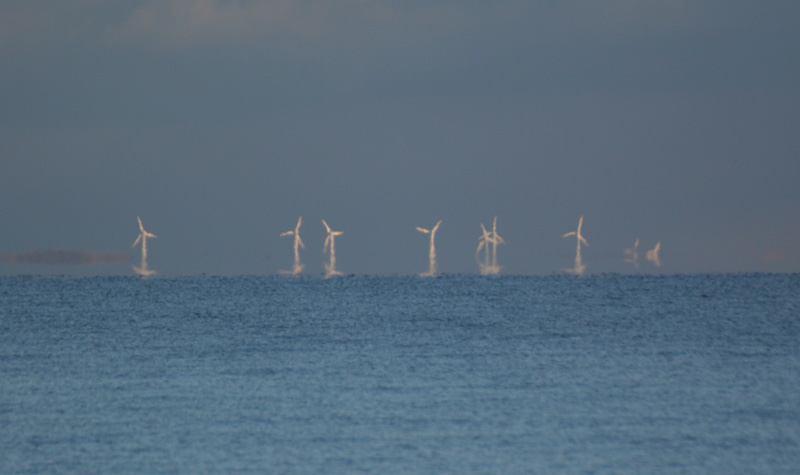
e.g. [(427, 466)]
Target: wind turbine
[(432, 232), (579, 267), (496, 239), (298, 243), (654, 255), (330, 241), (487, 239), (483, 243), (142, 270), (632, 254)]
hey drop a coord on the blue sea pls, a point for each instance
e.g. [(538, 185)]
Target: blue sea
[(457, 374)]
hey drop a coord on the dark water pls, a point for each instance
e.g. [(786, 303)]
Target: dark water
[(460, 374)]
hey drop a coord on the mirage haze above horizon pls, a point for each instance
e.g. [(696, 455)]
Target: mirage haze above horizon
[(221, 122)]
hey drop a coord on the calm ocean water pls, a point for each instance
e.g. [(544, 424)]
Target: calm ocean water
[(459, 374)]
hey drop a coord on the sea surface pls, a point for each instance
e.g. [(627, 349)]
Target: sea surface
[(457, 374)]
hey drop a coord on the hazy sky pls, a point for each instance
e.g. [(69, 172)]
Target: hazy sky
[(221, 122)]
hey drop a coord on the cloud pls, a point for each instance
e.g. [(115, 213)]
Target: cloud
[(65, 257), (179, 23)]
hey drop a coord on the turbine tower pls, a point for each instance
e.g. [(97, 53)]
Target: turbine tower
[(432, 232), (330, 242), (143, 270), (489, 265), (579, 267), (632, 254), (654, 255), (298, 243)]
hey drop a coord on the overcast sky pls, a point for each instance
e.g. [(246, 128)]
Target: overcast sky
[(221, 122)]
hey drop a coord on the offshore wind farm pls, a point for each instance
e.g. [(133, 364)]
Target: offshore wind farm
[(485, 254)]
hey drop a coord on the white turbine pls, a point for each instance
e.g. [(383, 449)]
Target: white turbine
[(143, 270), (483, 243), (654, 255), (496, 239), (632, 254), (330, 242), (489, 265), (298, 243), (432, 232), (579, 267), (485, 240)]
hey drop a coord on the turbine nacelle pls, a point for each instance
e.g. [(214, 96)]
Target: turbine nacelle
[(430, 231), (328, 228), (581, 239), (329, 240)]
